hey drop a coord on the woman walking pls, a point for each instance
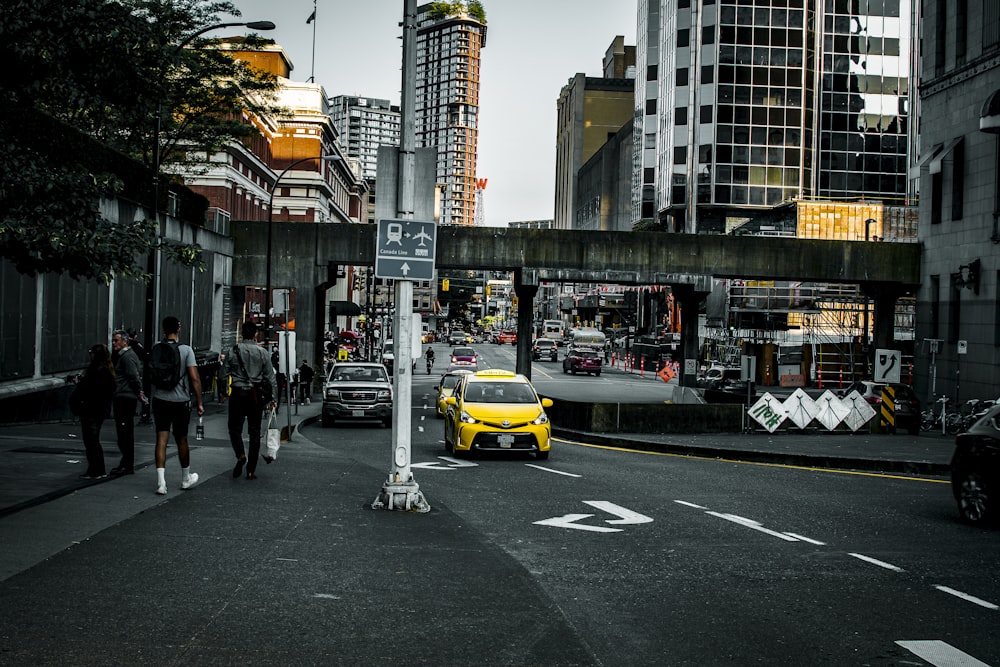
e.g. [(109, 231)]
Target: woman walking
[(95, 389)]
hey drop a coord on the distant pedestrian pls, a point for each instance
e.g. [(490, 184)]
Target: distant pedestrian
[(306, 376), (246, 364), (173, 374), (94, 391), (143, 355), (128, 394)]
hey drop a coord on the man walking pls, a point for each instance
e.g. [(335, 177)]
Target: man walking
[(247, 363), (173, 374), (128, 393), (305, 382)]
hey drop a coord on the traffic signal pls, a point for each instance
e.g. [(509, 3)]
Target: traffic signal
[(445, 284)]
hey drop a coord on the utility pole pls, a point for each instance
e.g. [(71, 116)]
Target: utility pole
[(400, 491)]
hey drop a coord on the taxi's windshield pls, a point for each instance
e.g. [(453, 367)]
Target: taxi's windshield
[(499, 392)]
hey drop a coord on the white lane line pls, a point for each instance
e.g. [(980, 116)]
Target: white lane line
[(806, 539), (967, 597), (755, 525), (940, 654), (687, 504), (876, 561), (558, 472)]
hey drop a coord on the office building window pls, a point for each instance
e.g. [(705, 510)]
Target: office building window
[(682, 76), (940, 35), (936, 306), (683, 38), (996, 313), (680, 116), (991, 24), (651, 107), (961, 30), (955, 314), (958, 181), (707, 74)]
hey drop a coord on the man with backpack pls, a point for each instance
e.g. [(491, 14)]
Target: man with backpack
[(173, 374)]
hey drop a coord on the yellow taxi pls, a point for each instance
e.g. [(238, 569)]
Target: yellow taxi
[(446, 387), (496, 411)]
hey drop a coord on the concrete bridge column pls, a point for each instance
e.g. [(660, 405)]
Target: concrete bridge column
[(690, 300), (884, 319), (525, 314)]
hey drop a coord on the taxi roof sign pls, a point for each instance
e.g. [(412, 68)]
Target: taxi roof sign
[(496, 373)]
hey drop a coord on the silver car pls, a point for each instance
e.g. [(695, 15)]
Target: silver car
[(357, 390)]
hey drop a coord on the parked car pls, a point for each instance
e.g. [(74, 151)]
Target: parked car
[(464, 357), (446, 387), (907, 406), (975, 469), (545, 349), (496, 410), (718, 376), (582, 360), (357, 390)]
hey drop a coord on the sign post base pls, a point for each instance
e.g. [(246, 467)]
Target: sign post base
[(401, 496)]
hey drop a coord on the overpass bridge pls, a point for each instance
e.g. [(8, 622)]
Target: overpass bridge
[(305, 257)]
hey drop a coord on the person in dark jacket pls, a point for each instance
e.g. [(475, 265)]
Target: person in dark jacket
[(128, 393), (96, 388), (246, 364)]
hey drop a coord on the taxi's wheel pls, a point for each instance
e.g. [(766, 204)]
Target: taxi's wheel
[(448, 447), (974, 498), (542, 456)]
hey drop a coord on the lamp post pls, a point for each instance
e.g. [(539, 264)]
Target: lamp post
[(153, 283), (267, 288), (270, 224)]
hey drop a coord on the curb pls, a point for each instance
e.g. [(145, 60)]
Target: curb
[(752, 456)]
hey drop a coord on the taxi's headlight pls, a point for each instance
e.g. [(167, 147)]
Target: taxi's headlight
[(541, 419), (466, 418)]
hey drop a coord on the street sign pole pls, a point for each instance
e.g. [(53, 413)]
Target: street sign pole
[(401, 491)]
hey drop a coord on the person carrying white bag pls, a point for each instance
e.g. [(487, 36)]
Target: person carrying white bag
[(273, 437)]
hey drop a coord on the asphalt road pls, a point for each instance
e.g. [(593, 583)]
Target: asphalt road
[(666, 560)]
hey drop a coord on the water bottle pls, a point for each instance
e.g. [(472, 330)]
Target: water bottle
[(199, 433)]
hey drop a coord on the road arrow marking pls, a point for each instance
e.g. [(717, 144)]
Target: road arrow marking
[(455, 463), (452, 464), (627, 515), (569, 521)]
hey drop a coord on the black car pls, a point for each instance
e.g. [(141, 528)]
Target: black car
[(544, 349), (974, 470)]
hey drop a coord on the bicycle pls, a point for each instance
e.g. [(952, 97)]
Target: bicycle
[(950, 423)]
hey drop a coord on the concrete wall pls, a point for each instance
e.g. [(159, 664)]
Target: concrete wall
[(645, 417)]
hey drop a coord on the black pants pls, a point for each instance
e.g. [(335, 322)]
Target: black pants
[(91, 427), (243, 407), (125, 429)]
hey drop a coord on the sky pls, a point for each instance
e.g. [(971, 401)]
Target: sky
[(533, 47)]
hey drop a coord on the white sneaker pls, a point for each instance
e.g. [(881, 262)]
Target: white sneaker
[(191, 481), (161, 490)]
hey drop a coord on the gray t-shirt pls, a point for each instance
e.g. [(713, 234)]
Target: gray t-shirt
[(182, 392)]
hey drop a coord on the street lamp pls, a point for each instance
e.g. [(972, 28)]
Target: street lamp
[(270, 225), (152, 285)]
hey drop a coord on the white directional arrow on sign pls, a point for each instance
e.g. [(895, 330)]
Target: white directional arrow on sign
[(405, 268), (627, 516)]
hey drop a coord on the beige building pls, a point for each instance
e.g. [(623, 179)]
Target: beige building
[(591, 110)]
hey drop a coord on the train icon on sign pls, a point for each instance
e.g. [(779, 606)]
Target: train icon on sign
[(394, 233)]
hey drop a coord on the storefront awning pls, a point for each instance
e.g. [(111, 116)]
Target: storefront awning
[(345, 308)]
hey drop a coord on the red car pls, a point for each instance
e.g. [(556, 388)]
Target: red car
[(507, 336), (584, 360)]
